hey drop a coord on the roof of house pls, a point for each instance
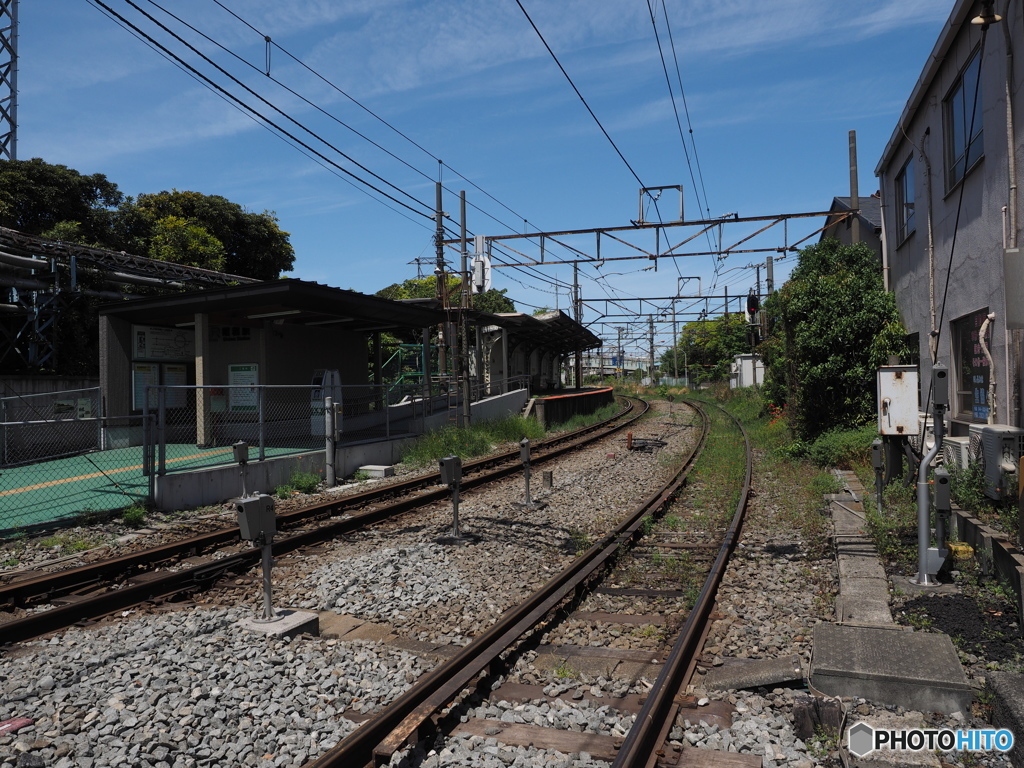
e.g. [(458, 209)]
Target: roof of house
[(870, 209)]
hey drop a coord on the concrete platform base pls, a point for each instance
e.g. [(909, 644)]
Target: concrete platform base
[(377, 470), (290, 624), (914, 670), (1008, 710)]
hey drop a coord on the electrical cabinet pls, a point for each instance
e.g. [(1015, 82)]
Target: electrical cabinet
[(897, 400)]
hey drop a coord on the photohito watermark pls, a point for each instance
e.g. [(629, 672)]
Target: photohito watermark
[(863, 739)]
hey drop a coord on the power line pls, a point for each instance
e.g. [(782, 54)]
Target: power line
[(577, 90), (250, 115), (366, 109), (686, 110), (281, 112), (235, 101)]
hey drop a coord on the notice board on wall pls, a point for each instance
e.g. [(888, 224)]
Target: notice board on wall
[(243, 396)]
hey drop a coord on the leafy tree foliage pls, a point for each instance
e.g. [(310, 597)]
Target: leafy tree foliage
[(833, 324), (187, 227), (492, 301), (38, 198), (209, 231), (707, 347), (176, 239), (417, 288)]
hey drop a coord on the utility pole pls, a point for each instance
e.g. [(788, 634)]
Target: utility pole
[(650, 334), (621, 367), (8, 79), (464, 316), (577, 315), (854, 194), (770, 276), (442, 282), (675, 345)]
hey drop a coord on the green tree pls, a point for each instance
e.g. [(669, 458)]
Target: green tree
[(175, 239), (417, 288), (38, 198), (253, 244), (832, 326), (707, 347), (494, 301)]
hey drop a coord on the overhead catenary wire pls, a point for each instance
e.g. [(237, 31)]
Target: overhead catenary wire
[(686, 109), (535, 274), (377, 117), (281, 112), (580, 95), (532, 273), (675, 108), (135, 32)]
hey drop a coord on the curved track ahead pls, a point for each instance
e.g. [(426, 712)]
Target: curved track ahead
[(410, 716)]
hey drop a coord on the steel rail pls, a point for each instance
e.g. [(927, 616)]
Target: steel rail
[(172, 582), (20, 591), (644, 741), (391, 729)]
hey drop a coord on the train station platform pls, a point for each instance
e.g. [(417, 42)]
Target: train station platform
[(558, 407), (51, 491)]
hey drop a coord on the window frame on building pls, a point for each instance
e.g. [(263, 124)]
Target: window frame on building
[(972, 370), (905, 221), (962, 154)]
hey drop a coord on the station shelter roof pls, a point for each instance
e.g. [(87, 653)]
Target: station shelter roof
[(554, 331), (288, 301)]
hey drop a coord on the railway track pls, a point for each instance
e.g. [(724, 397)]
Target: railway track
[(437, 704), (88, 592)]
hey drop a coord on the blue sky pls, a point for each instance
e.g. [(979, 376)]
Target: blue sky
[(772, 89)]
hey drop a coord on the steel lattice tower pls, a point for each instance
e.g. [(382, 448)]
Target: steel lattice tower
[(8, 79)]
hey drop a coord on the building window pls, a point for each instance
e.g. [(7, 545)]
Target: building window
[(905, 201), (963, 123), (971, 366)]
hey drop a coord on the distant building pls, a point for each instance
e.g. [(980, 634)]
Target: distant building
[(951, 214), (869, 219)]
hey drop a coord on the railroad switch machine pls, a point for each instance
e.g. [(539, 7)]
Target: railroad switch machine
[(256, 518), (451, 470)]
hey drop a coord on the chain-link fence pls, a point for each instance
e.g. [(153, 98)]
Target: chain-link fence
[(49, 425), (59, 458), (197, 426)]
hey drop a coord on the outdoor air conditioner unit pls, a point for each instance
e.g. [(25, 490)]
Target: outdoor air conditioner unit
[(1000, 449), (956, 452)]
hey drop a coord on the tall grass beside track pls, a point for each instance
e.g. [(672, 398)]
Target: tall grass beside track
[(789, 488)]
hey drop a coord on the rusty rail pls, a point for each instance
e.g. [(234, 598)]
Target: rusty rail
[(172, 582), (644, 740), (391, 729)]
